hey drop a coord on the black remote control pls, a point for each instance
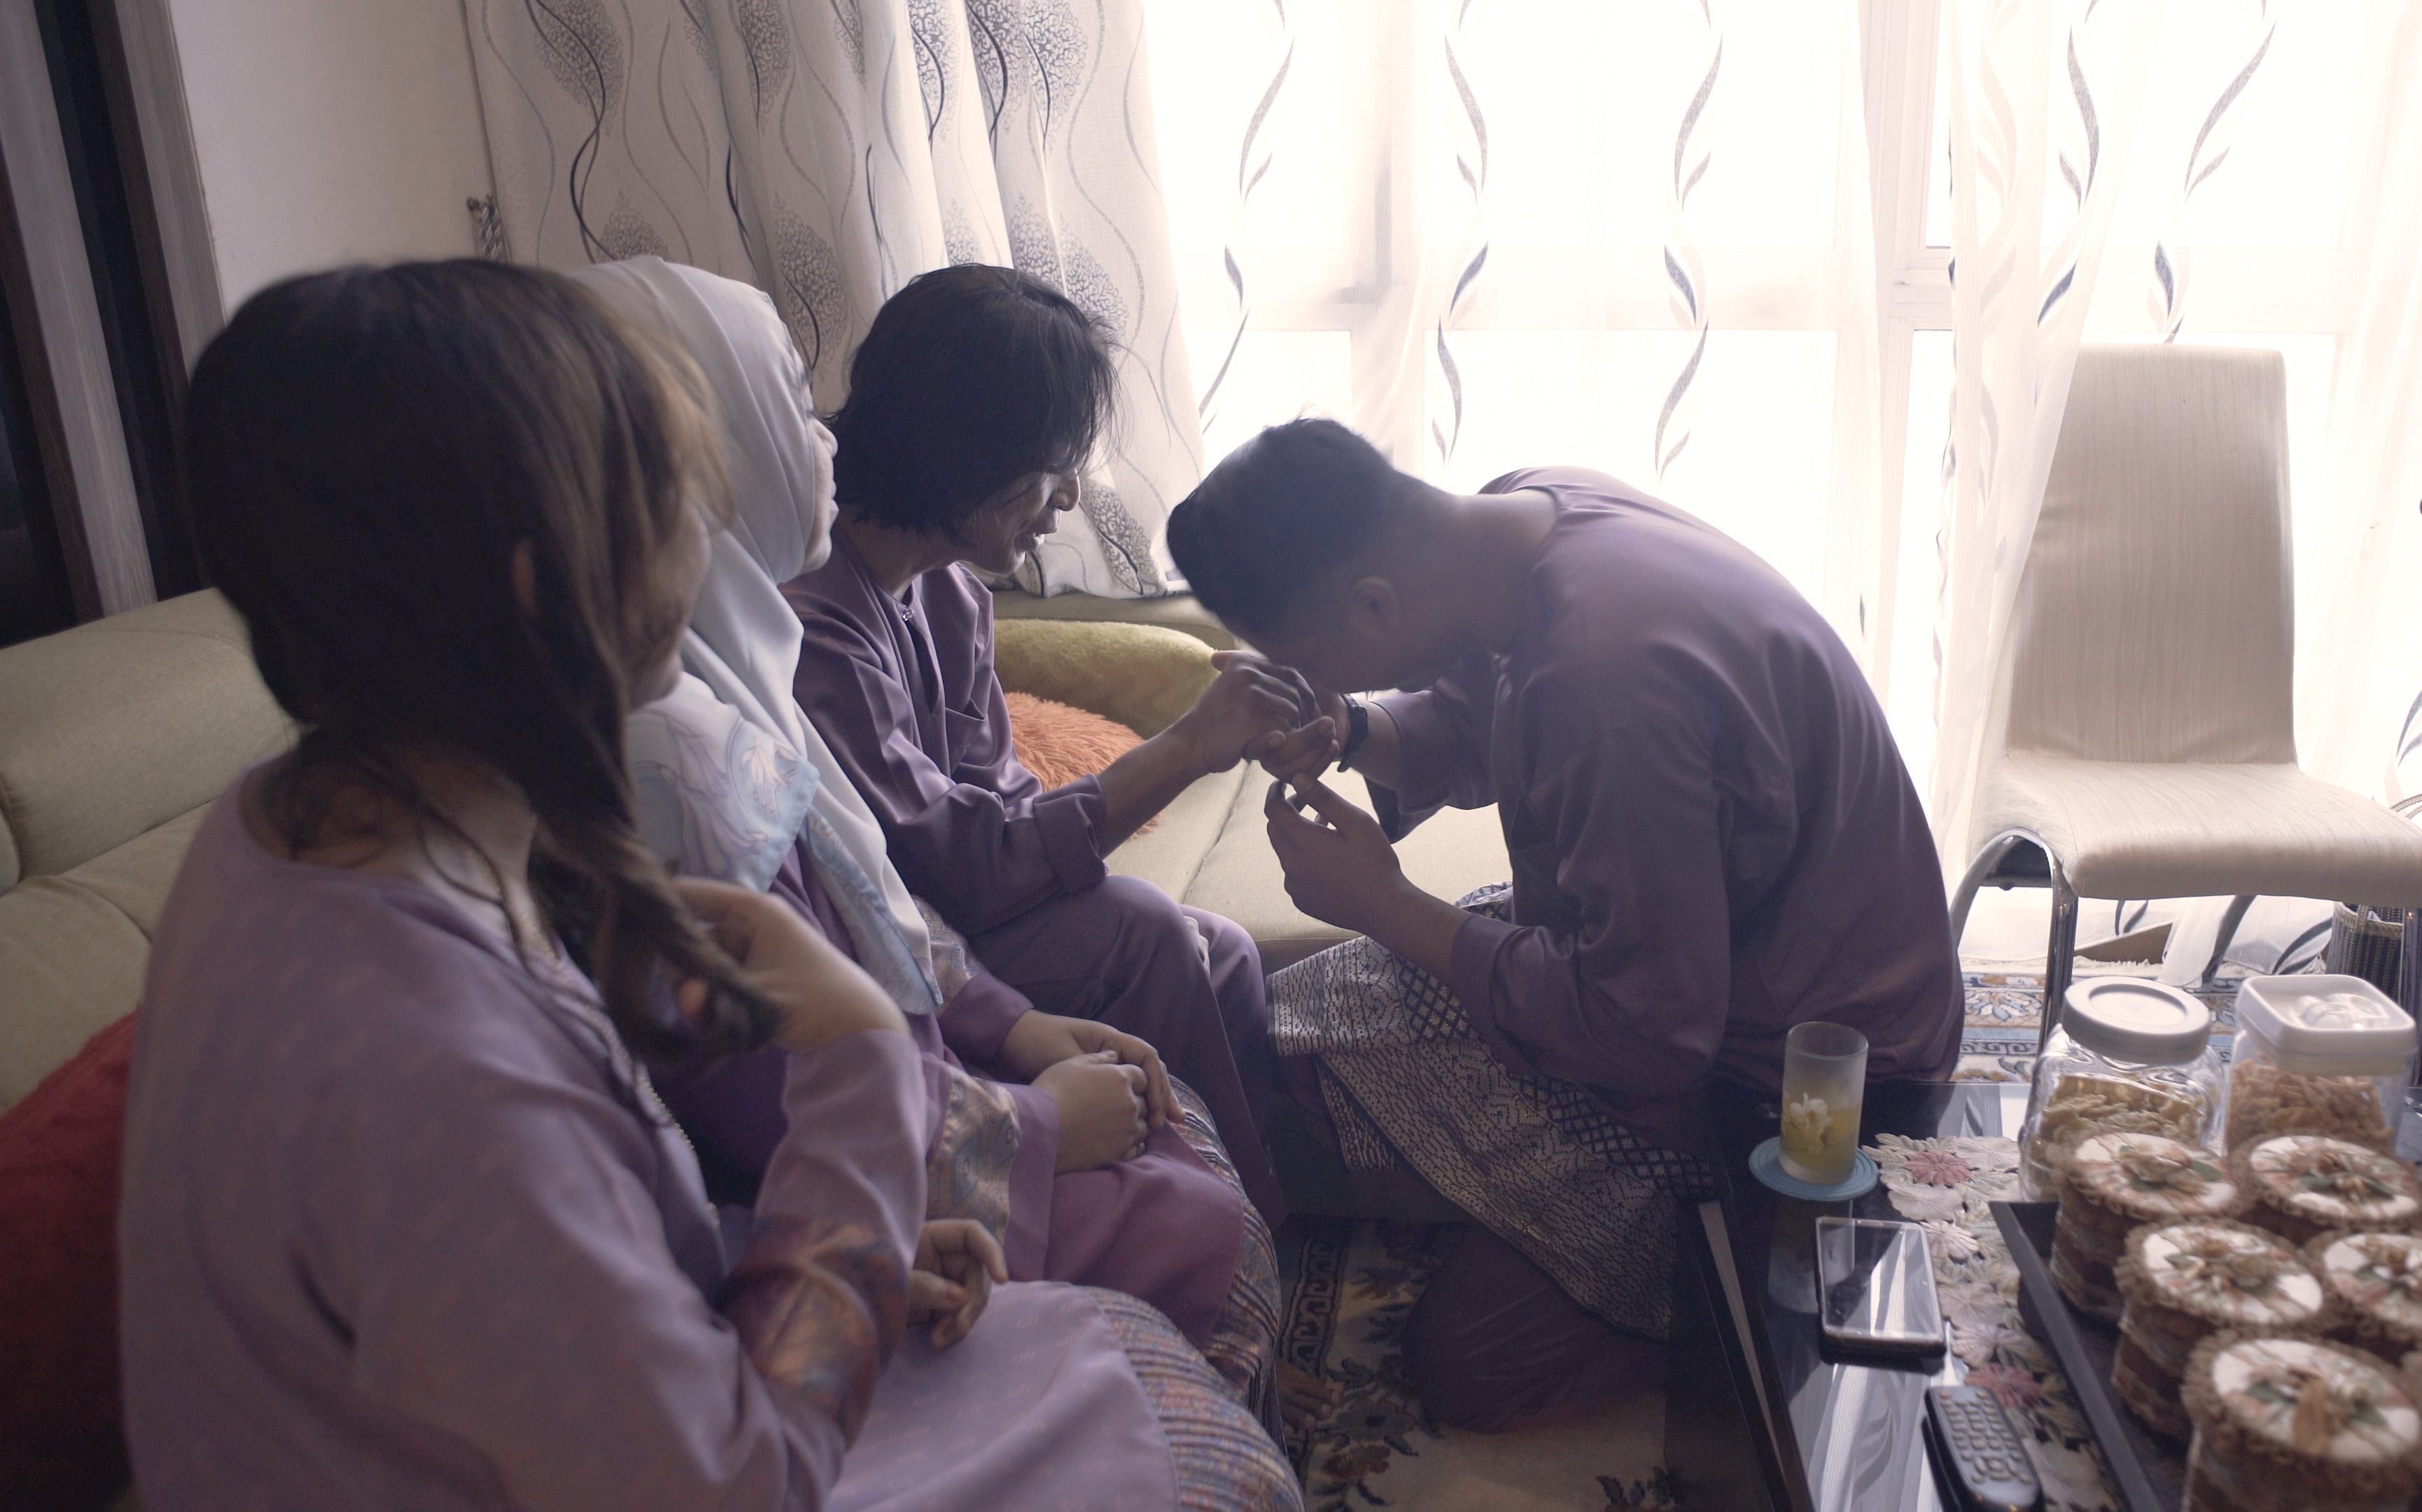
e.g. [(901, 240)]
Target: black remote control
[(1979, 1453)]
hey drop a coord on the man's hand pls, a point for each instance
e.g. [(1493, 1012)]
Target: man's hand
[(1340, 868), (1308, 749), (957, 1264), (1244, 715), (1101, 1107), (1039, 1041), (821, 993)]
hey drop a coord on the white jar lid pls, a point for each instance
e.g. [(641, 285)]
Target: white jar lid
[(2131, 1018), (2342, 1020)]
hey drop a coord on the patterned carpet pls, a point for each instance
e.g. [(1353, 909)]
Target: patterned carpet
[(1349, 1285), (1998, 1043)]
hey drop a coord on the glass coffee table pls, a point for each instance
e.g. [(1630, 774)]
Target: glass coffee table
[(1758, 1415)]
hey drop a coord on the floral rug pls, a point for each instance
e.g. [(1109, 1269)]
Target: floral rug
[(1350, 1284), (1944, 1186), (1998, 1041)]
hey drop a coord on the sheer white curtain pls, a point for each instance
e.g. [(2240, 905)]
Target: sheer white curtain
[(828, 151), (1491, 236), (1817, 271)]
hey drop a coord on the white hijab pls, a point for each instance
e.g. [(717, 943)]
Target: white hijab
[(727, 769)]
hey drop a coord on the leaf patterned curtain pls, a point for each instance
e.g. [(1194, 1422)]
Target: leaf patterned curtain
[(829, 150)]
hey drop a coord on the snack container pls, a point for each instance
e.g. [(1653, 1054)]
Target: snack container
[(2299, 1185), (2318, 1055), (2184, 1282), (2128, 1057), (2115, 1182), (2377, 1280), (2287, 1421)]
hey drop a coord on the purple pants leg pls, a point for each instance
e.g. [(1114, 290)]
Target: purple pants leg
[(1495, 1344), (1122, 953)]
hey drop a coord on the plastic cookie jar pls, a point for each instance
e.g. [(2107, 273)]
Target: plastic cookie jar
[(2128, 1057), (2319, 1055)]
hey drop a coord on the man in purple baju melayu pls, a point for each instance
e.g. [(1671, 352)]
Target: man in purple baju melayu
[(1712, 838)]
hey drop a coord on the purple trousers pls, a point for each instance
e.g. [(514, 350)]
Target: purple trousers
[(1122, 953)]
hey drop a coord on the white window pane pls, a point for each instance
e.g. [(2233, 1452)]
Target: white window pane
[(1758, 462), (1582, 100), (1212, 62), (1267, 378)]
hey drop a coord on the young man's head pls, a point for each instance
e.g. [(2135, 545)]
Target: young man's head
[(1307, 543)]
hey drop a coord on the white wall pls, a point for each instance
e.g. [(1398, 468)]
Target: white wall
[(331, 131)]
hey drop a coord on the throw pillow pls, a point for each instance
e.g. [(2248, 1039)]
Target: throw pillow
[(1059, 744), (62, 1443), (1141, 675)]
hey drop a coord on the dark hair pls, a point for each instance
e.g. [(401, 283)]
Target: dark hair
[(1294, 503), (364, 450), (969, 379)]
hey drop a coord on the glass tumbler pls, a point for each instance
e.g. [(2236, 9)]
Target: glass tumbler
[(1824, 1082)]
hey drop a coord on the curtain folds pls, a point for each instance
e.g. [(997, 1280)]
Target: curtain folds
[(829, 153)]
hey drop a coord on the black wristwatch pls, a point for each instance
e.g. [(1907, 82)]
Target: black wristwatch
[(1357, 730)]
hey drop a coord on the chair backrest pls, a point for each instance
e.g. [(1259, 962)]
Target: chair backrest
[(2155, 617)]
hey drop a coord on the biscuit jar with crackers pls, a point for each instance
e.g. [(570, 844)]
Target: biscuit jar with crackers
[(2376, 1279), (2128, 1057), (2286, 1421), (2113, 1183), (2298, 1186), (2318, 1055), (2183, 1282)]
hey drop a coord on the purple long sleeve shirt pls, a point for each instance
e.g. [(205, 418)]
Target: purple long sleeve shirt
[(1711, 832), (905, 693), (400, 1227)]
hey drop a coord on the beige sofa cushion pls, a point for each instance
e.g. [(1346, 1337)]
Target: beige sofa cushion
[(1168, 854), (118, 726), (1143, 676), (74, 964), (1456, 851), (1178, 611)]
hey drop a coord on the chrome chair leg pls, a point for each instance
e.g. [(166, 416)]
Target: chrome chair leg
[(1996, 851), (2060, 953), (2227, 937)]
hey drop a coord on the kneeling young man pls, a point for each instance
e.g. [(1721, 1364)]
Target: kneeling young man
[(1712, 836)]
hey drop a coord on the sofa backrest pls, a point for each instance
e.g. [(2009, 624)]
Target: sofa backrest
[(114, 728), (113, 736)]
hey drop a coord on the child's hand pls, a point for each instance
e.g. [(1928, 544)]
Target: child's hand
[(957, 1264)]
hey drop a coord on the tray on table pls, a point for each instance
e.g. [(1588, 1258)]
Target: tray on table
[(2148, 1473)]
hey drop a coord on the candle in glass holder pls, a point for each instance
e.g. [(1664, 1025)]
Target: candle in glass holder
[(1824, 1082)]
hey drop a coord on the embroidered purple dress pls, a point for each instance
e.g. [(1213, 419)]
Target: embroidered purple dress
[(1171, 1226), (399, 1228), (906, 693)]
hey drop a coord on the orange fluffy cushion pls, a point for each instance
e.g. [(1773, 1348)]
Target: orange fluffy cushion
[(1059, 744)]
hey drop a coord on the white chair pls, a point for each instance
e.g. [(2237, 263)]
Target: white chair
[(2143, 743)]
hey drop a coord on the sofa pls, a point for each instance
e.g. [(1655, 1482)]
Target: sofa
[(114, 737)]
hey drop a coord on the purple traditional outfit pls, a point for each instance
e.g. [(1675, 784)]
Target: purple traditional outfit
[(732, 784), (403, 1224), (1712, 838), (905, 692)]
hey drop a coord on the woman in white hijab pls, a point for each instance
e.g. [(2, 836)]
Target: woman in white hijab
[(1102, 1171)]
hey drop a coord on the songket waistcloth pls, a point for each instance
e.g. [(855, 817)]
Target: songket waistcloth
[(1537, 1160)]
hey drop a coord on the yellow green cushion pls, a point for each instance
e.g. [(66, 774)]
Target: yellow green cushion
[(1142, 676)]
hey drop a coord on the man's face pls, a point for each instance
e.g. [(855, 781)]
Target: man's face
[(1347, 646)]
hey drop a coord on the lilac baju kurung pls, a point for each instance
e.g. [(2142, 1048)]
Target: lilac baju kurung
[(399, 1226), (906, 693), (1167, 1226), (1712, 838)]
